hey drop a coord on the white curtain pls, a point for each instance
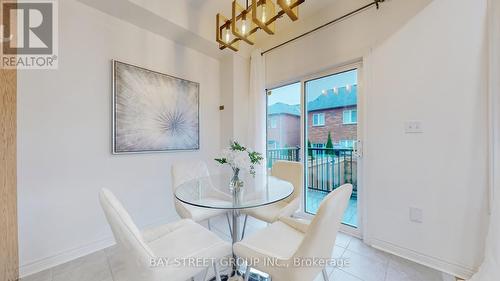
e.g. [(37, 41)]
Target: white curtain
[(257, 103), (490, 269)]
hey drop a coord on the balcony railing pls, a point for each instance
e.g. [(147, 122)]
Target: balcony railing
[(289, 154), (327, 168)]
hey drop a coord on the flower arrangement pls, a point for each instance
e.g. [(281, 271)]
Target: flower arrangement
[(239, 158)]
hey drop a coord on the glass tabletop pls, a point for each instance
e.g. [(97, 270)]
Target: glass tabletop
[(214, 191)]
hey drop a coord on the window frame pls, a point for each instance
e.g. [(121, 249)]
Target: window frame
[(343, 142), (356, 64), (273, 123), (319, 124), (318, 145), (272, 144), (350, 112)]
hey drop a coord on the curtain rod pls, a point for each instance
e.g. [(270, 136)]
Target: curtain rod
[(375, 3)]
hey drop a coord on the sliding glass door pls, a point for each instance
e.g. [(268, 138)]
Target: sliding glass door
[(315, 121), (331, 134)]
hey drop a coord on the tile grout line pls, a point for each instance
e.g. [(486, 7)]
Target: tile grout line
[(352, 275), (109, 266), (343, 252), (386, 269)]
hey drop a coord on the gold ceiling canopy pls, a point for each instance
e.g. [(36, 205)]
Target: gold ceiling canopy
[(245, 22)]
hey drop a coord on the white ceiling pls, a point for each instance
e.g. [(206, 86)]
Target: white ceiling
[(199, 15), (189, 22)]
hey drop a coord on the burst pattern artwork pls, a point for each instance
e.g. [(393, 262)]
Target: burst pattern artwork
[(153, 112)]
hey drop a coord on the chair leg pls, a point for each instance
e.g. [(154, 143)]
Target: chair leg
[(247, 273), (209, 225), (244, 227), (205, 274), (217, 272), (229, 225), (325, 275)]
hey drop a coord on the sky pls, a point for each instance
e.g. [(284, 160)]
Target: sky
[(290, 94)]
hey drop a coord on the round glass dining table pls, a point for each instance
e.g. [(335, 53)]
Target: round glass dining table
[(214, 192)]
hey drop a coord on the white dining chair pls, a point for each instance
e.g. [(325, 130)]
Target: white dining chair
[(186, 171), (289, 171), (161, 253), (290, 241)]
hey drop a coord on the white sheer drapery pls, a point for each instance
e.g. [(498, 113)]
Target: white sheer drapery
[(257, 103)]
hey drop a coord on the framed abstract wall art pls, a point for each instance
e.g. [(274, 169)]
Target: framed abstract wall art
[(153, 112)]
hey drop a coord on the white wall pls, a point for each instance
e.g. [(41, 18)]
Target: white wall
[(435, 70), (428, 63), (235, 75), (336, 44), (64, 133), (227, 97)]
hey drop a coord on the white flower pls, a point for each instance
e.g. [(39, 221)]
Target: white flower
[(237, 159), (241, 160)]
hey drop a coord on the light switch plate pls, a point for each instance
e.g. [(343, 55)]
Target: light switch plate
[(416, 215), (413, 126)]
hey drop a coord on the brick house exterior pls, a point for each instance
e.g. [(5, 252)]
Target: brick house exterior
[(283, 128), (334, 124)]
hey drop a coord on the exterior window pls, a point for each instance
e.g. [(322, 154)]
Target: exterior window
[(319, 119), (347, 143), (318, 145), (350, 116), (272, 144), (273, 123)]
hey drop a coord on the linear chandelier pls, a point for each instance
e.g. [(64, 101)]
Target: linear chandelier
[(246, 21)]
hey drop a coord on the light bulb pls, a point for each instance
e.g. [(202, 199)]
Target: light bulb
[(324, 92), (348, 87), (336, 90), (227, 35), (264, 16), (288, 2), (244, 27)]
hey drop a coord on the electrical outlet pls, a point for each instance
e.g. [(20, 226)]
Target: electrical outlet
[(416, 215), (413, 126)]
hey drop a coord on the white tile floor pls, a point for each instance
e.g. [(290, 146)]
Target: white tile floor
[(365, 263)]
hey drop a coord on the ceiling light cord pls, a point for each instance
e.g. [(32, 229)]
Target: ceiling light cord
[(375, 3)]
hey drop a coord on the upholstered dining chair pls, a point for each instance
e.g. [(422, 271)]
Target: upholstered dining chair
[(186, 171), (158, 254), (289, 171), (289, 242)]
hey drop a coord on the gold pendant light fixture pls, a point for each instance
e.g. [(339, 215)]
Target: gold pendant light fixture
[(246, 21)]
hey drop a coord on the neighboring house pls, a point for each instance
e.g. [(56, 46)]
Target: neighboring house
[(334, 112), (283, 126)]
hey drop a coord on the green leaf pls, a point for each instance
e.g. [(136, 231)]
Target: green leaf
[(255, 157), (235, 146), (221, 160)]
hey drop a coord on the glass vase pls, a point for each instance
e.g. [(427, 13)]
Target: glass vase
[(236, 183)]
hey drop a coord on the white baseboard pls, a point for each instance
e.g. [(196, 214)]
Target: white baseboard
[(71, 254), (432, 262)]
